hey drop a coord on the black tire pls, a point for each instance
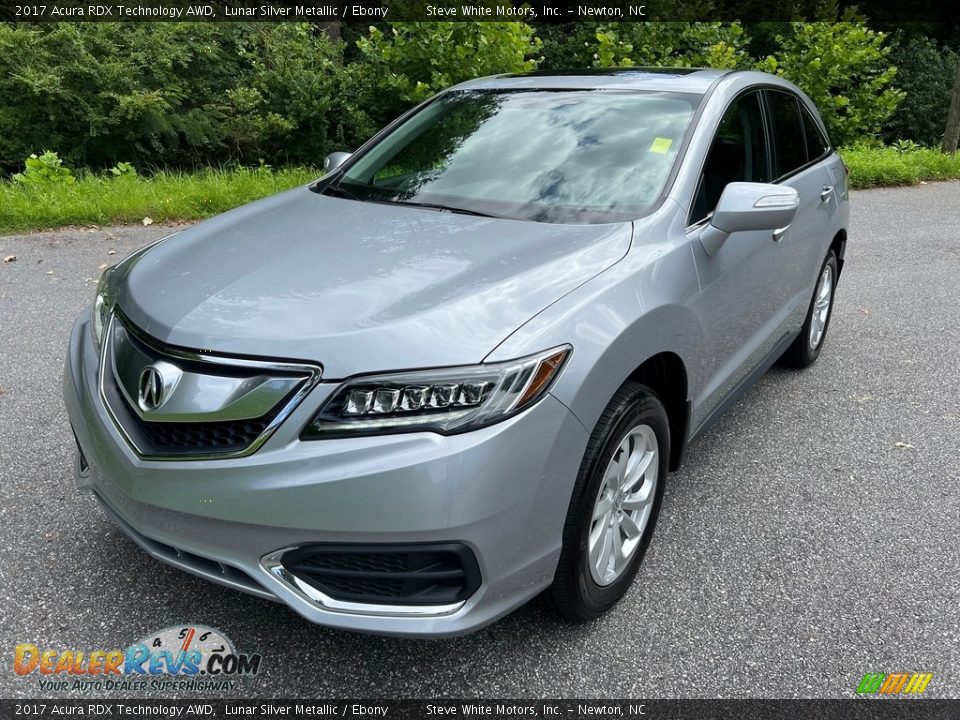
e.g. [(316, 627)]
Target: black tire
[(800, 354), (574, 593)]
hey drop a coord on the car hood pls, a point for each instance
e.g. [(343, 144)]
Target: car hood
[(357, 286)]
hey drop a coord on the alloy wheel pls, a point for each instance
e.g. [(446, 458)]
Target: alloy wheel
[(623, 505), (821, 307)]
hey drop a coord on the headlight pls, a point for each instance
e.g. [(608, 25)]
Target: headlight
[(445, 401), (102, 306)]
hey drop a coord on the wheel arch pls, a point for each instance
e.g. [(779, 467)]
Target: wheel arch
[(659, 349), (839, 247), (666, 374)]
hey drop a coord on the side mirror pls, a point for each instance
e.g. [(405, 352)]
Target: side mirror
[(335, 160), (745, 207)]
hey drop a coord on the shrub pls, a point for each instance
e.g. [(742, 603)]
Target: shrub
[(187, 94), (123, 170), (46, 169), (845, 69), (925, 73), (299, 100), (566, 46), (172, 94), (843, 66), (106, 91), (716, 45), (413, 60)]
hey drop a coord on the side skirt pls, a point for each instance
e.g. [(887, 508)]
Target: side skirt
[(748, 382)]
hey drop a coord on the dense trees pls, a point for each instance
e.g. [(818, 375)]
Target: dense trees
[(189, 94)]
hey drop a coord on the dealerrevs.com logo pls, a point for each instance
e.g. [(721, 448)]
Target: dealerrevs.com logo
[(180, 658)]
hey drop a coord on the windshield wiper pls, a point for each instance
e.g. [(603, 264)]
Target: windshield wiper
[(441, 207), (337, 189), (340, 191)]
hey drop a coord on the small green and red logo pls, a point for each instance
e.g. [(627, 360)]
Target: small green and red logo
[(902, 683)]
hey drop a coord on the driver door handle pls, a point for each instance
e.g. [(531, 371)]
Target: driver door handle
[(826, 193), (779, 233)]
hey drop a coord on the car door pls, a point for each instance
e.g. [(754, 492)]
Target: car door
[(742, 305), (801, 151)]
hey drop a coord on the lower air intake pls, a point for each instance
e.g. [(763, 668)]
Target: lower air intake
[(388, 574)]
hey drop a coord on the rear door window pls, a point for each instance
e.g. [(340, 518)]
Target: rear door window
[(789, 139), (817, 143)]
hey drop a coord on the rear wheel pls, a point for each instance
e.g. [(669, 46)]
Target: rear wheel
[(615, 504), (806, 347)]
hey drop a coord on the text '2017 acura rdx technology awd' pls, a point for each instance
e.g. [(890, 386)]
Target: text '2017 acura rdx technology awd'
[(453, 373)]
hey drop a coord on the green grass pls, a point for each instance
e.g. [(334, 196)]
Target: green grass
[(97, 200), (877, 167)]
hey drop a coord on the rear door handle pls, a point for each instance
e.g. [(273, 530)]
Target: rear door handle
[(826, 193)]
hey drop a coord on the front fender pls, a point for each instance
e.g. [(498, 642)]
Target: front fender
[(616, 321)]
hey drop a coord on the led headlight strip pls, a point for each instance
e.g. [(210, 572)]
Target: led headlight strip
[(446, 400)]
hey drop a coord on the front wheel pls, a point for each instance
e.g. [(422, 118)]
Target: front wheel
[(806, 347), (615, 504)]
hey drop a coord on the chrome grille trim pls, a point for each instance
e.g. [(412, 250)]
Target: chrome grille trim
[(273, 564), (311, 372), (193, 394)]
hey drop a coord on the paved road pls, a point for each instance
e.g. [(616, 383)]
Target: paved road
[(811, 537)]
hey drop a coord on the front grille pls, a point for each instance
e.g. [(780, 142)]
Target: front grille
[(388, 574), (229, 407), (184, 438), (213, 437)]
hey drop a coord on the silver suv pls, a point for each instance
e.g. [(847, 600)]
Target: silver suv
[(454, 372)]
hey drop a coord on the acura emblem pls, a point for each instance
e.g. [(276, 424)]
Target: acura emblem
[(151, 388), (157, 381)]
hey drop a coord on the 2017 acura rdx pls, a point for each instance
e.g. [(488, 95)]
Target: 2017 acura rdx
[(454, 372)]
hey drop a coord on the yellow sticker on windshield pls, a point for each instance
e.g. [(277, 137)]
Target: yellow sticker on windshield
[(661, 145)]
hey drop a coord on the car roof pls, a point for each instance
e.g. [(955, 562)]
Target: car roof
[(683, 80)]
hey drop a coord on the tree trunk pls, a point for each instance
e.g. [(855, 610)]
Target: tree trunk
[(951, 137)]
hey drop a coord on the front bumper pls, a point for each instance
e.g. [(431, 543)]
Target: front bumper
[(502, 491)]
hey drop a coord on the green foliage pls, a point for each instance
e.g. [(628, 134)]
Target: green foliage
[(413, 60), (566, 46), (123, 170), (670, 44), (47, 169), (872, 166), (299, 99), (100, 91), (162, 95), (843, 66), (905, 146), (845, 69), (177, 93), (925, 71), (165, 196)]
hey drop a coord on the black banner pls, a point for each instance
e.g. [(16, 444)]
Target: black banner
[(551, 11), (492, 709)]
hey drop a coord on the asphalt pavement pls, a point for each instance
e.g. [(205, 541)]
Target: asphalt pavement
[(811, 537)]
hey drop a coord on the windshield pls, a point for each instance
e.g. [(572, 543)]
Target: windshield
[(548, 156)]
